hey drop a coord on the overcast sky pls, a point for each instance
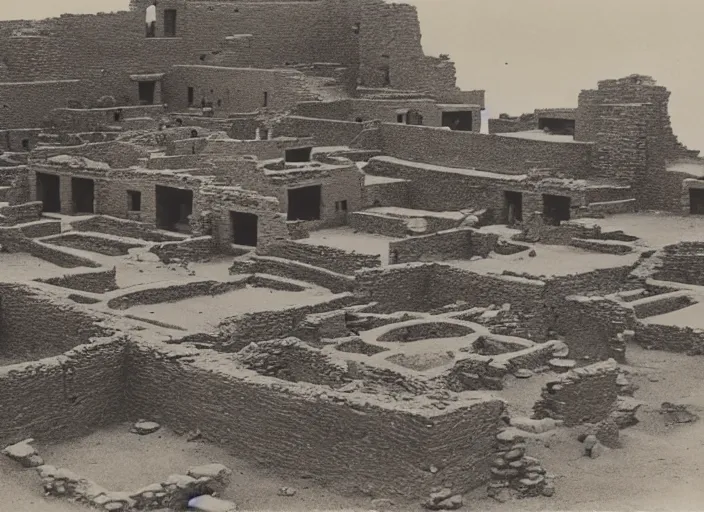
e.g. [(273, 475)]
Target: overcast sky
[(531, 54)]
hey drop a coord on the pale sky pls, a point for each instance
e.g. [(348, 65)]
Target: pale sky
[(531, 54)]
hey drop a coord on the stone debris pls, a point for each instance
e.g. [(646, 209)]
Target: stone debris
[(625, 414), (145, 427), (24, 453), (443, 499), (592, 447), (626, 387), (287, 491), (514, 474), (382, 504), (208, 503), (536, 426), (562, 365), (523, 373), (677, 414)]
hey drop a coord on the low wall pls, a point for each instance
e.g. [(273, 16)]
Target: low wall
[(63, 397), (95, 282), (290, 269), (14, 240), (682, 263), (453, 244), (670, 338), (100, 245), (35, 325), (193, 249), (376, 449), (378, 224), (20, 213), (158, 293), (330, 258), (661, 304), (583, 395), (122, 227), (237, 332), (117, 154)]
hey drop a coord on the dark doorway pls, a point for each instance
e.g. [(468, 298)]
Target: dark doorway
[(244, 228), (304, 203), (696, 201), (556, 208), (266, 99), (298, 155), (82, 195), (173, 207), (49, 192), (514, 207), (134, 201), (25, 144), (169, 22), (191, 96), (460, 121), (146, 93), (556, 126)]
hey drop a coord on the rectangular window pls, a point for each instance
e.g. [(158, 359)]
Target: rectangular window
[(134, 200), (191, 96), (266, 99)]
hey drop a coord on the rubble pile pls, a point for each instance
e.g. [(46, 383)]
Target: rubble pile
[(514, 474)]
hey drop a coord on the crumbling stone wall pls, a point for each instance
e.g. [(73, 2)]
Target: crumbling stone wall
[(100, 281), (583, 395), (302, 430), (325, 132), (117, 154), (33, 325), (66, 396), (122, 227), (671, 338), (590, 326), (192, 249), (682, 263), (453, 244), (337, 260)]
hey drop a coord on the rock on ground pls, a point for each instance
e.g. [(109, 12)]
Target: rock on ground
[(24, 453), (209, 504), (145, 427)]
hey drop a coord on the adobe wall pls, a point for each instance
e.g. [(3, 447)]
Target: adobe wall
[(11, 140), (337, 260), (453, 244), (523, 123), (583, 395), (385, 193), (100, 281), (386, 451), (121, 227), (404, 287), (27, 104), (469, 150), (66, 396), (671, 338), (435, 188), (324, 132), (371, 109), (117, 154), (34, 325), (232, 90), (681, 263)]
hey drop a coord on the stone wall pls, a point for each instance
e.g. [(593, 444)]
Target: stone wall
[(193, 249), (236, 332), (117, 154), (95, 282), (383, 452), (671, 338), (682, 263), (468, 150), (122, 227), (20, 213), (583, 395), (590, 326), (330, 258), (325, 132), (66, 396), (454, 244), (35, 325)]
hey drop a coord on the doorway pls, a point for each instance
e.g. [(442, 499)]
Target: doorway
[(49, 192), (146, 92), (513, 204), (244, 228), (696, 201), (169, 22), (304, 203), (298, 155), (191, 96), (460, 121), (173, 207), (557, 126), (82, 195), (556, 208)]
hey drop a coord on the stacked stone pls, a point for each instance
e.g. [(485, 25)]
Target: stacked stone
[(514, 474)]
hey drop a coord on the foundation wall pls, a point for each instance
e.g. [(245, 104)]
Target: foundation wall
[(382, 452), (336, 260), (63, 397)]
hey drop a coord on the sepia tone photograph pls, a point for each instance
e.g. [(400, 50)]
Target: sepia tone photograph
[(351, 255)]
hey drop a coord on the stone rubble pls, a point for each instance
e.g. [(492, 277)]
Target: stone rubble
[(443, 499), (24, 453), (143, 427)]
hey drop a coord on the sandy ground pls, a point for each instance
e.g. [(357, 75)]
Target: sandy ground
[(692, 316), (19, 266), (655, 229), (204, 313), (550, 260)]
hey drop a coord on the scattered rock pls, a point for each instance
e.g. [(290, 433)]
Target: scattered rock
[(195, 435), (287, 491), (24, 453), (536, 426), (676, 413), (383, 504), (532, 253), (562, 365), (207, 503), (145, 427), (596, 451), (523, 373), (443, 499)]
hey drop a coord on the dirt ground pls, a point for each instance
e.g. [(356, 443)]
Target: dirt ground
[(658, 468)]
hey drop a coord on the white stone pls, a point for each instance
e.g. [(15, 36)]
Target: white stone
[(209, 504)]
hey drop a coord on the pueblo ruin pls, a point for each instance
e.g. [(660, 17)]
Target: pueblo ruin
[(294, 256)]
